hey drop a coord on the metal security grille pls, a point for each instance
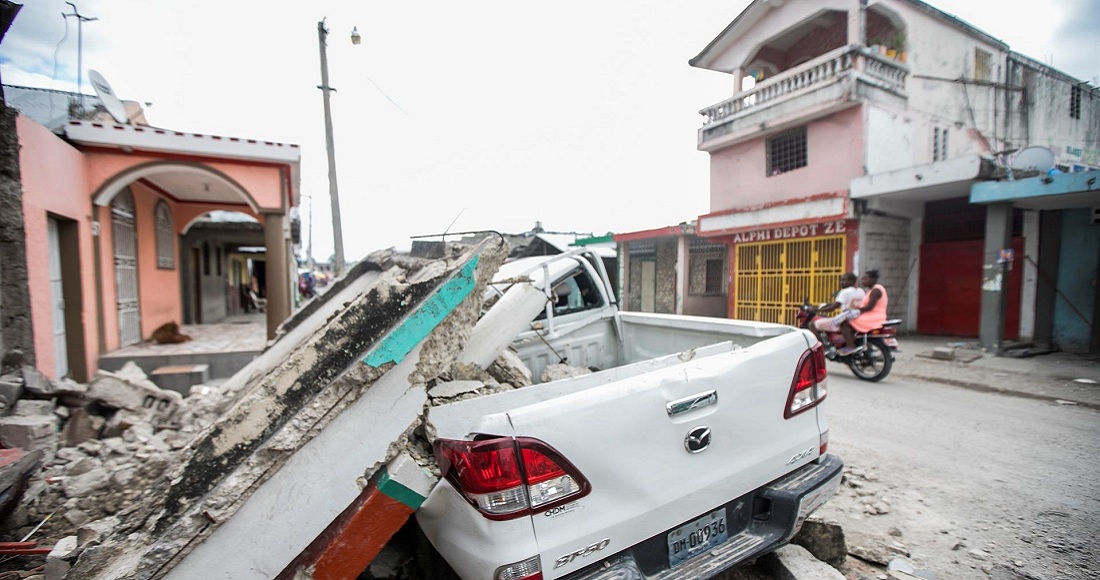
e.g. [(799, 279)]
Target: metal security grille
[(787, 151), (129, 317), (773, 278)]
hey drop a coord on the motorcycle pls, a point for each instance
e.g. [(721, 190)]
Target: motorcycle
[(874, 361)]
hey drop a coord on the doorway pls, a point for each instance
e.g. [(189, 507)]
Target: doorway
[(126, 279)]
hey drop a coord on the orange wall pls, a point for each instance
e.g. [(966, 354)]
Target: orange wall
[(265, 183), (59, 180), (54, 182)]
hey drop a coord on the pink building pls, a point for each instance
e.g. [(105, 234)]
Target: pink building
[(854, 134), (108, 208)]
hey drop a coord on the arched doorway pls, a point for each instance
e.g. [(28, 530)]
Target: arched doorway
[(126, 274)]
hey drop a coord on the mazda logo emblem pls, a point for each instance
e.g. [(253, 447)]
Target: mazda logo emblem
[(697, 439)]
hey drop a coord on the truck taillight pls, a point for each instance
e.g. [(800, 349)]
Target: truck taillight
[(506, 478), (809, 386), (529, 569)]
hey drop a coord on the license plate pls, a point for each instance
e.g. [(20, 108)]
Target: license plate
[(697, 537)]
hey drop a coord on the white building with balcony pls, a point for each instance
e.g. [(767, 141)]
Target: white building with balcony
[(854, 134)]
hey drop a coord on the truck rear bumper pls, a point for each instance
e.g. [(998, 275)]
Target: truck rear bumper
[(778, 511)]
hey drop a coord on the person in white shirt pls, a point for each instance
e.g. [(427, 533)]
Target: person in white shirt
[(847, 300)]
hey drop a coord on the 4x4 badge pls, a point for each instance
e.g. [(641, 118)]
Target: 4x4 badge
[(697, 439)]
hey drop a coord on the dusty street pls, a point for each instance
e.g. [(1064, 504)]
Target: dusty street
[(967, 483)]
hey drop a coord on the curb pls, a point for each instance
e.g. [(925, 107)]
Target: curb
[(991, 389)]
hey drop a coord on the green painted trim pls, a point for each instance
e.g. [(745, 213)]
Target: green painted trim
[(608, 237), (416, 327), (396, 490)]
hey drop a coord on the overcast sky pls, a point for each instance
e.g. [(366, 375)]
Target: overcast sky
[(488, 114)]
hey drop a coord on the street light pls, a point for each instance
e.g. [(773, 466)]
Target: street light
[(337, 231)]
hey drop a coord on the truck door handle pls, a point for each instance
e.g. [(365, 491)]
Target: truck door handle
[(697, 401)]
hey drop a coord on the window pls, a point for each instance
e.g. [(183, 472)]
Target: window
[(707, 268), (574, 293), (166, 234), (939, 144), (983, 65), (787, 151), (1075, 102), (205, 259), (715, 269)]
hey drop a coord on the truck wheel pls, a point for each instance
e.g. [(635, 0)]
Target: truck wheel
[(874, 363)]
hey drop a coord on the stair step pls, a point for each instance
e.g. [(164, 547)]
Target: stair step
[(181, 378)]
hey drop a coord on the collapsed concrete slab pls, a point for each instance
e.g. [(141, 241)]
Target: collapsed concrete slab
[(318, 412)]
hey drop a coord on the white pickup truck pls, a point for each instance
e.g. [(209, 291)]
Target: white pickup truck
[(697, 443)]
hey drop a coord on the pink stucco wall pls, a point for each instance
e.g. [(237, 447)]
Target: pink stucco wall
[(737, 173), (54, 184)]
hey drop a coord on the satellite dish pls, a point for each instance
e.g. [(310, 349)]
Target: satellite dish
[(1035, 158), (107, 97)]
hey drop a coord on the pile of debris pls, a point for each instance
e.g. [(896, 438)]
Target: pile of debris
[(90, 453), (123, 479)]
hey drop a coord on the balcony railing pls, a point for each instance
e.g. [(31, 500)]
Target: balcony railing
[(824, 69)]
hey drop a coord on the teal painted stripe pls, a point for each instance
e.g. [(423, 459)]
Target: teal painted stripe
[(394, 489), (416, 327)]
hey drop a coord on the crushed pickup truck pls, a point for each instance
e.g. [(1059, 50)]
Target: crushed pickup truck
[(696, 443), (535, 430)]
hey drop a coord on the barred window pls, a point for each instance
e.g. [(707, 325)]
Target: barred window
[(707, 275), (787, 151), (1075, 102), (715, 269), (166, 234), (939, 144), (983, 65)]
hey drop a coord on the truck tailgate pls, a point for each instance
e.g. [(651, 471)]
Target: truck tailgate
[(645, 474)]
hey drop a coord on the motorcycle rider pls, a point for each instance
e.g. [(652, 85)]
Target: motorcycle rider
[(848, 299), (873, 312)]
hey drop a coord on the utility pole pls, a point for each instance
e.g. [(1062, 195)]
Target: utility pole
[(337, 231), (80, 20)]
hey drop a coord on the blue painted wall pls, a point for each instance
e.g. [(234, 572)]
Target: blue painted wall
[(1077, 280)]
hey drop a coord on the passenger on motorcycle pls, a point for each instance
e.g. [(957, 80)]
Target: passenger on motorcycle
[(873, 312), (848, 299)]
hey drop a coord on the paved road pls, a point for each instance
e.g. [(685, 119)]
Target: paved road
[(972, 482)]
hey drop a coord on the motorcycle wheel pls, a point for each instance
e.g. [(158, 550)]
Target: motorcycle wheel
[(874, 363)]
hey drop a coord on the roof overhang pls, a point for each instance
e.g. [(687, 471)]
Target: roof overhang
[(929, 182), (684, 229), (1047, 192), (152, 139), (182, 181)]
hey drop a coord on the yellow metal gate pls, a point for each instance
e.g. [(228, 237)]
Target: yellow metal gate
[(773, 278)]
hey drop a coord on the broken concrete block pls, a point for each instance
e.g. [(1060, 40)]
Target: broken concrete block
[(27, 432), (944, 353), (82, 466), (794, 562), (132, 372), (823, 539), (60, 558), (11, 389), (562, 371), (93, 533), (138, 396), (83, 484), (454, 388), (37, 384), (80, 427), (873, 549), (121, 421), (509, 368), (32, 407)]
